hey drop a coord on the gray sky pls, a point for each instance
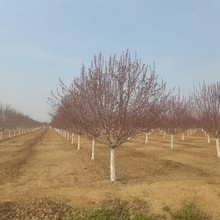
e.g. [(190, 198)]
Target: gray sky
[(46, 39)]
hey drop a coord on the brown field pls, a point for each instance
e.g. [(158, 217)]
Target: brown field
[(44, 164)]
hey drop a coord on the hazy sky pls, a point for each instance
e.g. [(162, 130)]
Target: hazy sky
[(42, 40)]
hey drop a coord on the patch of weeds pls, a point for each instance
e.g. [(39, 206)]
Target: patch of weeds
[(114, 209), (141, 216), (103, 213), (166, 208), (189, 211)]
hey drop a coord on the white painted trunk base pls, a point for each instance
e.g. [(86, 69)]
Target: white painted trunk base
[(217, 146), (72, 138), (183, 137), (112, 165), (78, 146), (93, 149), (164, 134), (146, 138), (208, 138), (171, 143)]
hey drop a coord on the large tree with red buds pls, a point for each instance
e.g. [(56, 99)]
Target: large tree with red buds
[(111, 99), (206, 109)]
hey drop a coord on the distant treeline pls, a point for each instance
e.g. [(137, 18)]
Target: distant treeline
[(11, 118)]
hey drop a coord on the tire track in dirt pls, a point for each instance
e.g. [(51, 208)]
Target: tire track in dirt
[(53, 165), (15, 152), (201, 157)]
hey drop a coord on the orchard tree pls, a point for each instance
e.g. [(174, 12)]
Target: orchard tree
[(154, 114), (206, 109), (11, 118), (176, 116), (111, 99)]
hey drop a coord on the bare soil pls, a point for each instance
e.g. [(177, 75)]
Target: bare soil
[(43, 164)]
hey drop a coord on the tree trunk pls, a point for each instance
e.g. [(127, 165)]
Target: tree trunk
[(78, 147), (208, 138), (112, 165), (164, 134), (217, 146), (72, 138), (146, 138), (93, 149), (182, 136), (9, 133), (171, 141), (1, 135)]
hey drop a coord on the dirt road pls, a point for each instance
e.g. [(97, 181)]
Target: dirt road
[(43, 163)]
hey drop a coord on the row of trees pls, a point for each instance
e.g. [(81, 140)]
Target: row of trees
[(118, 98), (11, 118)]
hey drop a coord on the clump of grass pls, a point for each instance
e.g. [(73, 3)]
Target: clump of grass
[(109, 214), (142, 216), (189, 211), (102, 213), (110, 210)]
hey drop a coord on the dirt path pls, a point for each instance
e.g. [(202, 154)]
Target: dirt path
[(45, 164), (14, 153), (48, 165)]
